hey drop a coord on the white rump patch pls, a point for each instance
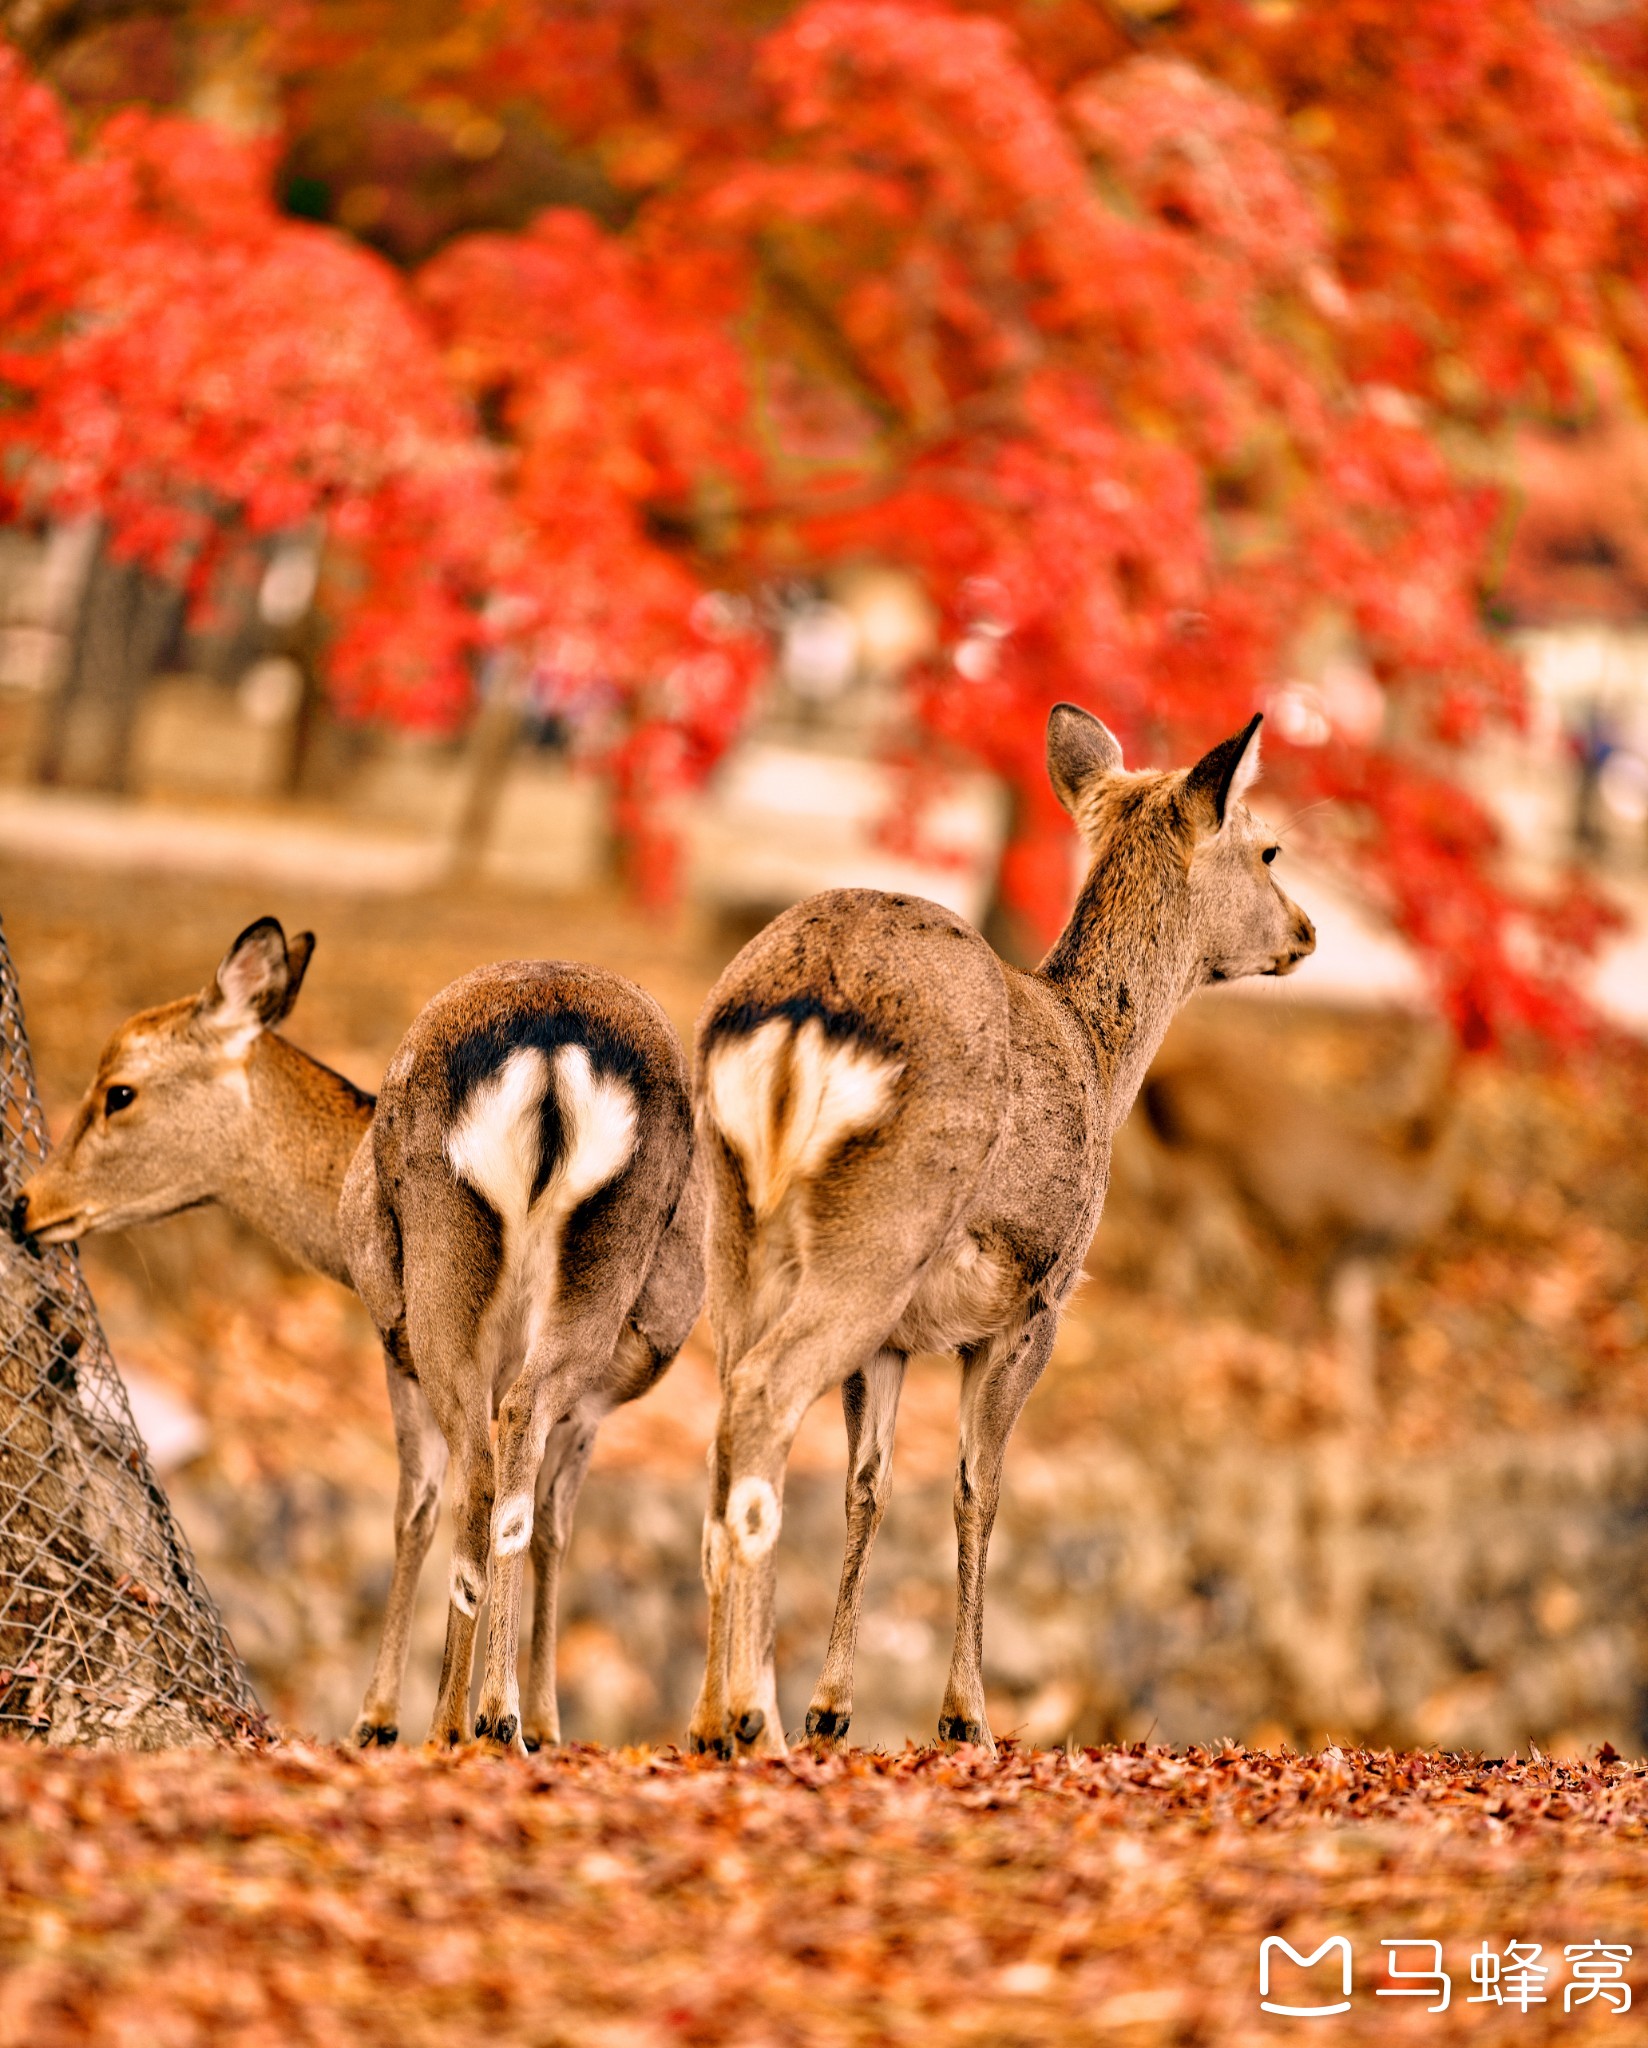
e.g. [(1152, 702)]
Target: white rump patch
[(496, 1145), (600, 1114), (512, 1525), (752, 1516), (829, 1090)]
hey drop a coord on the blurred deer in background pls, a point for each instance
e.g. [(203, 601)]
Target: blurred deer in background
[(516, 1212), (1347, 1188), (907, 1145)]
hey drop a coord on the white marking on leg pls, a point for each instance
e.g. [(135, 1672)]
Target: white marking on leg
[(465, 1587), (512, 1525), (752, 1516), (836, 1088)]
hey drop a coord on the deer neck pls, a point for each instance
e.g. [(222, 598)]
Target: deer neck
[(303, 1125), (1125, 962)]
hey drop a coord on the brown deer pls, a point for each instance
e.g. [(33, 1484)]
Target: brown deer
[(907, 1144), (517, 1212)]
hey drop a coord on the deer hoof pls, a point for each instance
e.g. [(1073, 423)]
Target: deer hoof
[(826, 1724), (710, 1745), (533, 1743), (376, 1734), (750, 1725), (954, 1728), (500, 1731)]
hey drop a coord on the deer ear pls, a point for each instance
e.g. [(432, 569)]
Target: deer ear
[(258, 979), (1080, 749), (1224, 775)]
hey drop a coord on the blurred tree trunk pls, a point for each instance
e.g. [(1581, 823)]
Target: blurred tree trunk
[(128, 622)]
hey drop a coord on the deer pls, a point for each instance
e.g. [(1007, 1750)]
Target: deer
[(907, 1143), (517, 1209)]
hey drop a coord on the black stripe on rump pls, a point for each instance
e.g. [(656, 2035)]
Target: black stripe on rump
[(475, 1057), (742, 1019)]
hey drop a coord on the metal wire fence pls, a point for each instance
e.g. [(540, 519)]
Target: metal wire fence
[(107, 1635)]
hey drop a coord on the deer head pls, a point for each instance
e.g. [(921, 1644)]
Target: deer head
[(171, 1103), (1181, 849)]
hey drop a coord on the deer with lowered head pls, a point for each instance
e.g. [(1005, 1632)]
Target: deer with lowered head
[(907, 1144), (517, 1211)]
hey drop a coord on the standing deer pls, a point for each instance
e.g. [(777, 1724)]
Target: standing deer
[(517, 1212), (907, 1144)]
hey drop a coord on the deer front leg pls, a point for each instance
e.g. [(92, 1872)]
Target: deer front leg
[(422, 1453), (560, 1481), (995, 1385), (471, 1517), (707, 1730), (869, 1401)]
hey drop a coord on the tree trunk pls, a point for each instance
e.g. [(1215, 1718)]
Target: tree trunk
[(129, 618), (107, 1636)]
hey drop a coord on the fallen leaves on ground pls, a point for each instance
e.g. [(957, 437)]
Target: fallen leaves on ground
[(637, 1897)]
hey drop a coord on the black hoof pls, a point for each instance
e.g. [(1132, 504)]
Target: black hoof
[(376, 1734), (952, 1728), (826, 1722), (483, 1727), (532, 1744), (453, 1737), (504, 1732), (751, 1724), (710, 1745)]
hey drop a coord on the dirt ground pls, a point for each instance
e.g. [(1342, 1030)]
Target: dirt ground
[(1202, 1536)]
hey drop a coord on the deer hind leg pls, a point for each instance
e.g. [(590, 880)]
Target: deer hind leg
[(560, 1481), (422, 1454), (454, 1328), (996, 1382), (869, 1401), (562, 1369), (811, 1346)]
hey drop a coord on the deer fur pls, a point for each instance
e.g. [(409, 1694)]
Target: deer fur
[(516, 1211), (907, 1144)]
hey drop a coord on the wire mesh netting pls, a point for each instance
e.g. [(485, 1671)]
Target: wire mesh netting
[(107, 1634)]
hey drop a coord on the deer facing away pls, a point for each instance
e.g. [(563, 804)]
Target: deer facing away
[(517, 1212), (907, 1144)]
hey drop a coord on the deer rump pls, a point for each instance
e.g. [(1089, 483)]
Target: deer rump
[(841, 1119)]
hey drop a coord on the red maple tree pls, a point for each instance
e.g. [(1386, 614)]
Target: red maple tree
[(182, 359), (1146, 338)]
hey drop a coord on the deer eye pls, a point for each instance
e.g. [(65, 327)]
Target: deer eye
[(1269, 854), (118, 1098)]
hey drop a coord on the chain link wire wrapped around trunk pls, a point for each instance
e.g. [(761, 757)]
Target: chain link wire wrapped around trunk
[(107, 1635)]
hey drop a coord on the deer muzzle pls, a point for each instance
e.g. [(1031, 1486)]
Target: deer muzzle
[(1301, 944), (33, 1225)]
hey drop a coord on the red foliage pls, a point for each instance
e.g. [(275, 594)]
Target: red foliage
[(1143, 349), (179, 356)]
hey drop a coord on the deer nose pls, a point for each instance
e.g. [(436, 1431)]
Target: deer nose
[(19, 1219), (1304, 937)]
